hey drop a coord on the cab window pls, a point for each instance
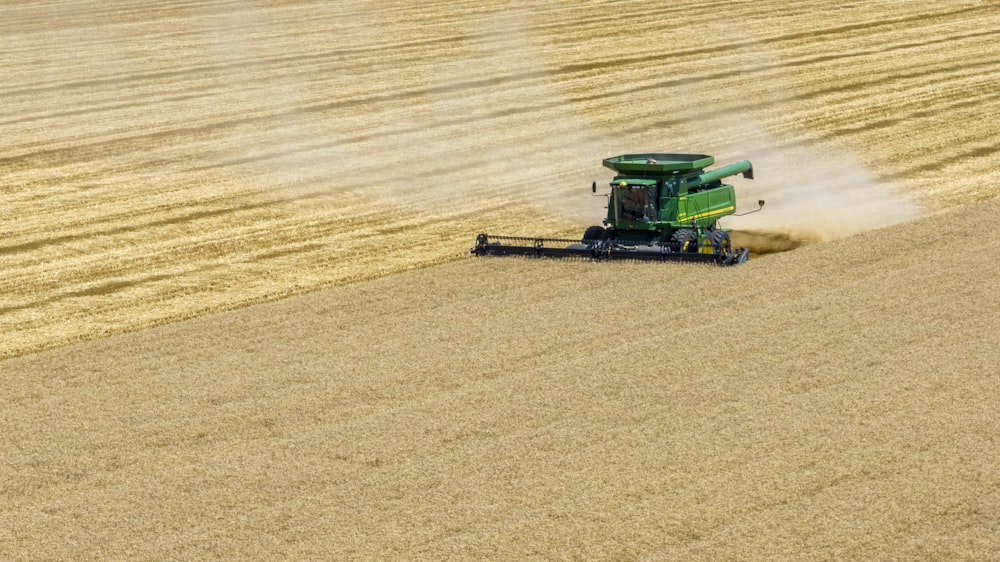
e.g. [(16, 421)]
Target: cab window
[(636, 203)]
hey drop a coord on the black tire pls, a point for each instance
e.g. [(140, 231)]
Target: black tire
[(683, 240), (721, 243), (594, 234)]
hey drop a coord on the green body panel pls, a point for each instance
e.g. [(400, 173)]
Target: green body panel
[(655, 194), (657, 164)]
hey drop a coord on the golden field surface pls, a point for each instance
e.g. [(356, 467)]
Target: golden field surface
[(165, 165), (165, 160), (814, 404)]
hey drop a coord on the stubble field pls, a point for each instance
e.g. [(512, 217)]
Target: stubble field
[(163, 163), (178, 161)]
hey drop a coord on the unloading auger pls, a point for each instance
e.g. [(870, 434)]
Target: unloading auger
[(662, 207)]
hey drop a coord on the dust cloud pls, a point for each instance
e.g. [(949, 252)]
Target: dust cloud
[(811, 197), (486, 125), (813, 192), (478, 124)]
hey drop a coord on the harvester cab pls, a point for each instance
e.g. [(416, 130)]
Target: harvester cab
[(660, 207)]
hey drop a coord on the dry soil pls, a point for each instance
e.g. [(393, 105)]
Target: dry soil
[(386, 397)]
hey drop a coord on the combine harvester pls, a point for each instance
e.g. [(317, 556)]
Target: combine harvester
[(662, 207)]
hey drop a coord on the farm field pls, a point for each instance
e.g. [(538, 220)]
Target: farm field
[(239, 322), (164, 163), (810, 404)]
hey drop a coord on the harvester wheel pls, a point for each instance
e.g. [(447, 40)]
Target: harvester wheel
[(593, 234), (721, 243), (684, 240)]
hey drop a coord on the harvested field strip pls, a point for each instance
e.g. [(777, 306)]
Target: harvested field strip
[(189, 267), (153, 158)]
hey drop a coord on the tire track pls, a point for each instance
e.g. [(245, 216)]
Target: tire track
[(82, 152), (944, 72), (776, 40)]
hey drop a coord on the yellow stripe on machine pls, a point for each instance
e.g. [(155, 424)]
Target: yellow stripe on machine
[(681, 217)]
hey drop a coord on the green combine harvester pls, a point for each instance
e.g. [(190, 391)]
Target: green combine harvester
[(662, 207)]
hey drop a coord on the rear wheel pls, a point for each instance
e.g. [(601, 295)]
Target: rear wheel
[(684, 240), (594, 234)]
